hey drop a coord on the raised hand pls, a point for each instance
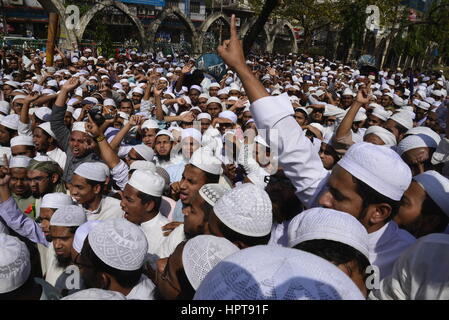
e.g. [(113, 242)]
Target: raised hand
[(187, 68), (71, 84), (188, 117), (31, 97), (5, 174), (232, 50), (92, 128)]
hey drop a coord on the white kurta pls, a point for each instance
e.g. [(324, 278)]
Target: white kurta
[(109, 209), (170, 242), (279, 234), (154, 234), (386, 245), (53, 270), (144, 290)]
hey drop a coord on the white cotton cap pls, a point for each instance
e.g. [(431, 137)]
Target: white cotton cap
[(228, 115), (148, 182), (212, 192), (56, 200), (95, 294), (196, 87), (264, 273), (380, 168), (145, 151), (20, 96), (204, 159), (81, 234), (417, 141), (96, 171), (46, 126), (386, 136), (437, 187), (22, 141), (150, 124), (381, 113), (204, 115), (109, 102), (391, 82), (213, 100), (42, 158), (348, 92), (10, 121), (202, 253), (79, 125), (143, 165), (423, 105), (43, 113), (398, 101), (68, 216), (403, 118), (138, 90), (191, 132), (214, 85), (119, 243), (15, 265), (424, 131), (19, 162), (328, 224), (246, 209), (165, 133), (360, 116), (4, 107)]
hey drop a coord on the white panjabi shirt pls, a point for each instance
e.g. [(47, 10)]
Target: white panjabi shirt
[(171, 241), (143, 290)]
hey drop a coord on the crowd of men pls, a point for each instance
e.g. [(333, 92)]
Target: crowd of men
[(291, 177)]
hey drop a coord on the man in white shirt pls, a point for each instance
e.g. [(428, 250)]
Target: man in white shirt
[(46, 144)]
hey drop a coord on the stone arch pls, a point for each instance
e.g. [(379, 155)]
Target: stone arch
[(205, 26), (154, 26), (276, 30), (88, 16)]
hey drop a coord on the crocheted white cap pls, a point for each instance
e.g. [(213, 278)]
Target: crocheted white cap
[(212, 192), (203, 159), (95, 294), (328, 224), (143, 165), (147, 182), (56, 200), (417, 141), (202, 253), (145, 151), (46, 126), (119, 243), (246, 209), (19, 162), (380, 168), (264, 273), (81, 234), (22, 141), (96, 171), (68, 216), (15, 265)]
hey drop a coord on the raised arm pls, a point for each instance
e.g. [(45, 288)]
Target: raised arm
[(345, 126)]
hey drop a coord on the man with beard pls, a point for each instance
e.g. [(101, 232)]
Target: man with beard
[(19, 185), (46, 144), (163, 147)]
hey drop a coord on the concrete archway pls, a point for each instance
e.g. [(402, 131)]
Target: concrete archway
[(205, 26), (154, 26), (277, 30), (88, 16)]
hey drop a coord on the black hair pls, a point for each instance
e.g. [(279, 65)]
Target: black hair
[(145, 198), (211, 178), (126, 100), (125, 278), (371, 196), (401, 128), (93, 183), (335, 252), (235, 237)]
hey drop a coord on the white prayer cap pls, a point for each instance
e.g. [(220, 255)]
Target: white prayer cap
[(13, 84), (212, 192), (348, 92), (386, 136), (196, 87), (119, 243), (138, 90), (202, 253), (234, 87), (95, 294), (380, 168), (143, 165), (416, 141), (424, 131), (328, 224), (204, 159), (22, 141), (81, 234), (148, 182), (228, 115), (10, 121), (423, 105), (391, 82), (166, 133), (145, 151), (204, 115), (96, 171), (246, 209), (56, 200), (430, 100), (398, 101), (150, 124), (261, 273), (389, 94), (109, 102), (42, 158), (191, 132), (360, 116), (213, 100), (403, 118), (15, 265), (79, 126), (46, 126), (4, 107), (214, 85), (68, 216), (381, 113), (123, 115), (19, 162), (43, 113), (18, 97), (437, 187)]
